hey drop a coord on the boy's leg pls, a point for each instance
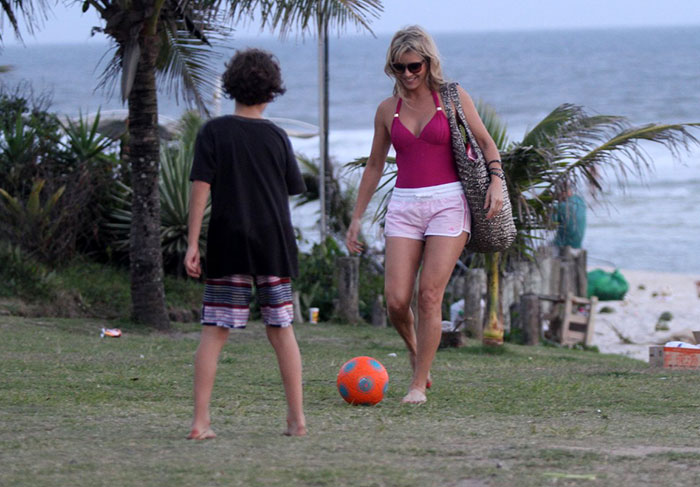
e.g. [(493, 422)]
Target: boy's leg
[(210, 344), (289, 359), (275, 299)]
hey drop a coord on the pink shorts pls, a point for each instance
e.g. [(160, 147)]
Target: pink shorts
[(435, 210)]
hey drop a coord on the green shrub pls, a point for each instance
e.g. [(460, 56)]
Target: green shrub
[(33, 224), (71, 159), (23, 276), (317, 282)]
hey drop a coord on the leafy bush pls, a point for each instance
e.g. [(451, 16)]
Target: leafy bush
[(23, 276), (34, 225), (71, 160), (317, 282)]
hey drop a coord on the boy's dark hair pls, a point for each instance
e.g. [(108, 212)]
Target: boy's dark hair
[(253, 76)]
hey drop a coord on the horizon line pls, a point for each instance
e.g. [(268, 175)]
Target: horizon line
[(343, 33)]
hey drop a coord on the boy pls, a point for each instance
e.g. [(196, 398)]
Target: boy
[(248, 164)]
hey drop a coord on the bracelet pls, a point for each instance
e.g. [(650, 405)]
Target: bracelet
[(497, 173), (493, 161)]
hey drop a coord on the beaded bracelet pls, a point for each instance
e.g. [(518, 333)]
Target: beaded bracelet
[(493, 161)]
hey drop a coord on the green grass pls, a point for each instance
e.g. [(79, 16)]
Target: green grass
[(87, 288), (79, 410)]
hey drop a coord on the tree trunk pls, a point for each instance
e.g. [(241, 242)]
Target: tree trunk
[(147, 293), (530, 318), (473, 319), (348, 289), (493, 331)]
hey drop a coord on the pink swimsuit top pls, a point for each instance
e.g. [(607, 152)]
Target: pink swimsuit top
[(425, 160)]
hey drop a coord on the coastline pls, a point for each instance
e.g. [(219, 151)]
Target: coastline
[(650, 294)]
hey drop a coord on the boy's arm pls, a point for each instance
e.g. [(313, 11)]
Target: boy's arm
[(198, 202)]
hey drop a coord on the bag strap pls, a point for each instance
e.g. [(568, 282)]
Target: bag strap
[(450, 93)]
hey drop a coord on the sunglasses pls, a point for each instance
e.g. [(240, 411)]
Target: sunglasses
[(414, 68)]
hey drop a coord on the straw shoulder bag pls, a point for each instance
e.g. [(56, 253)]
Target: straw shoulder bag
[(497, 233)]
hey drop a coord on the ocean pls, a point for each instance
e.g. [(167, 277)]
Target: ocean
[(647, 75)]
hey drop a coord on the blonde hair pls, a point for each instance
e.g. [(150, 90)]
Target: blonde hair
[(414, 39)]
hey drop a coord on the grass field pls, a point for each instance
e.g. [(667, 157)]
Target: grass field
[(78, 410)]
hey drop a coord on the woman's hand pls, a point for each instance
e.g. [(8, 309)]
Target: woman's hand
[(354, 246), (494, 198)]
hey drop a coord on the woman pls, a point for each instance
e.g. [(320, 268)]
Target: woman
[(427, 222)]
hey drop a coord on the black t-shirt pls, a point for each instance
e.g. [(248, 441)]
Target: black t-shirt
[(251, 168)]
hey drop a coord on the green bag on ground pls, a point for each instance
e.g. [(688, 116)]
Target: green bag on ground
[(607, 286)]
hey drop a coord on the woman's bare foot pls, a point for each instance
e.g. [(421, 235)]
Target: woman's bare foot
[(412, 360), (414, 396), (295, 429), (203, 434)]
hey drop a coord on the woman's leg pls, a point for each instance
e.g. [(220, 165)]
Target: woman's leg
[(439, 258), (289, 359), (210, 344), (401, 265)]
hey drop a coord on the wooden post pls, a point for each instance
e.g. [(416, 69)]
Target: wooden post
[(580, 261), (473, 320), (530, 318), (296, 303), (348, 289), (567, 283), (379, 312)]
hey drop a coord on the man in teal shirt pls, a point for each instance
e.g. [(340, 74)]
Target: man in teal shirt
[(571, 215)]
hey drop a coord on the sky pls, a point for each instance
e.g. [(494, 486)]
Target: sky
[(69, 24)]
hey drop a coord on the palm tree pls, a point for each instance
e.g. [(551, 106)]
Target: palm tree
[(568, 146), (173, 38)]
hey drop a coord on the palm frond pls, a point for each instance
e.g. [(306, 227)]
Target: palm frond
[(495, 126), (302, 14), (623, 149), (34, 13), (551, 125), (189, 33)]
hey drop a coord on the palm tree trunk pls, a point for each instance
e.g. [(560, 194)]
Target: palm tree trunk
[(147, 292), (493, 331)]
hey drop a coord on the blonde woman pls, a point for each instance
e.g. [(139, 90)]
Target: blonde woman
[(427, 222)]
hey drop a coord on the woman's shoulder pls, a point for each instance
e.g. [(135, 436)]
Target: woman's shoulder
[(388, 105)]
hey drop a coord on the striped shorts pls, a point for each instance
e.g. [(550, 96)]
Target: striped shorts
[(227, 300)]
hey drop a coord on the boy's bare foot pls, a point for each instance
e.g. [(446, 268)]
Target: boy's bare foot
[(295, 429), (205, 434), (414, 396)]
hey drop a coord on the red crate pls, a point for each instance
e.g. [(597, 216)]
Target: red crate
[(681, 358)]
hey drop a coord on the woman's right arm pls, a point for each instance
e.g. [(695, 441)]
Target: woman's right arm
[(371, 175)]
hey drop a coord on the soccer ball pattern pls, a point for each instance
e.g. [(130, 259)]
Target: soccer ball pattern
[(363, 381)]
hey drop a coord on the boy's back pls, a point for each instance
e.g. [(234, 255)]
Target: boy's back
[(252, 170)]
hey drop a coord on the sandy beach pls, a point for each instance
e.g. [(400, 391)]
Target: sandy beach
[(650, 294)]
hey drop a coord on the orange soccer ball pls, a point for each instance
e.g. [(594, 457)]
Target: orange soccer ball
[(362, 380)]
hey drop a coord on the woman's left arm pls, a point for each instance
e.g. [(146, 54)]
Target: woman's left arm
[(494, 195)]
